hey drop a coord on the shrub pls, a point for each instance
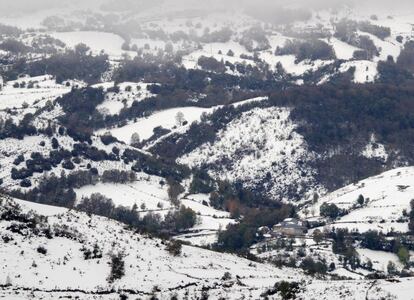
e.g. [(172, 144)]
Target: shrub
[(174, 248), (313, 50), (211, 64), (329, 210), (286, 290), (41, 250), (117, 267), (312, 267)]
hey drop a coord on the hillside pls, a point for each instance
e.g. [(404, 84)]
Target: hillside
[(54, 252), (386, 202)]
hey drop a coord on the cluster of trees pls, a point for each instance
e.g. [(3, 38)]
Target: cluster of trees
[(346, 31), (94, 253), (343, 245), (81, 115), (47, 44), (117, 264), (312, 267), (255, 39), (118, 176), (58, 191), (11, 31), (9, 129), (379, 31), (286, 289), (220, 36), (406, 58), (199, 133), (330, 210), (41, 44), (368, 48), (14, 46), (411, 217), (150, 165), (311, 49), (175, 221), (36, 164), (375, 240), (343, 116), (240, 236), (211, 64), (77, 64)]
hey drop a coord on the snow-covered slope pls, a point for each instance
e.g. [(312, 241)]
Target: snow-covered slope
[(110, 43), (148, 266), (48, 262), (260, 148), (166, 119), (31, 91), (386, 196)]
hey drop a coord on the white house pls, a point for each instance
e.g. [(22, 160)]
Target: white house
[(290, 227)]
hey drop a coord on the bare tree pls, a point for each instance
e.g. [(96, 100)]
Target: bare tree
[(179, 118), (135, 139)]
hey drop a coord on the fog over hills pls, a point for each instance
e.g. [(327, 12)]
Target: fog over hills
[(19, 6)]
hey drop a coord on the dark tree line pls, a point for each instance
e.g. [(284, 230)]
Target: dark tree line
[(73, 64), (312, 49)]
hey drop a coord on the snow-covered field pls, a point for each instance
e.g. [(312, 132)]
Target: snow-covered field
[(166, 119), (146, 192), (365, 70), (110, 43), (44, 88), (128, 94), (151, 196)]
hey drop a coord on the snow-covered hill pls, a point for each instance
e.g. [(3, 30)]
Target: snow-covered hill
[(44, 255), (50, 257), (386, 202), (260, 148)]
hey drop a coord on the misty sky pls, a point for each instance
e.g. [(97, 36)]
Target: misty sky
[(31, 6)]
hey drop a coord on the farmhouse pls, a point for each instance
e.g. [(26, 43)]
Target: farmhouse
[(289, 227)]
